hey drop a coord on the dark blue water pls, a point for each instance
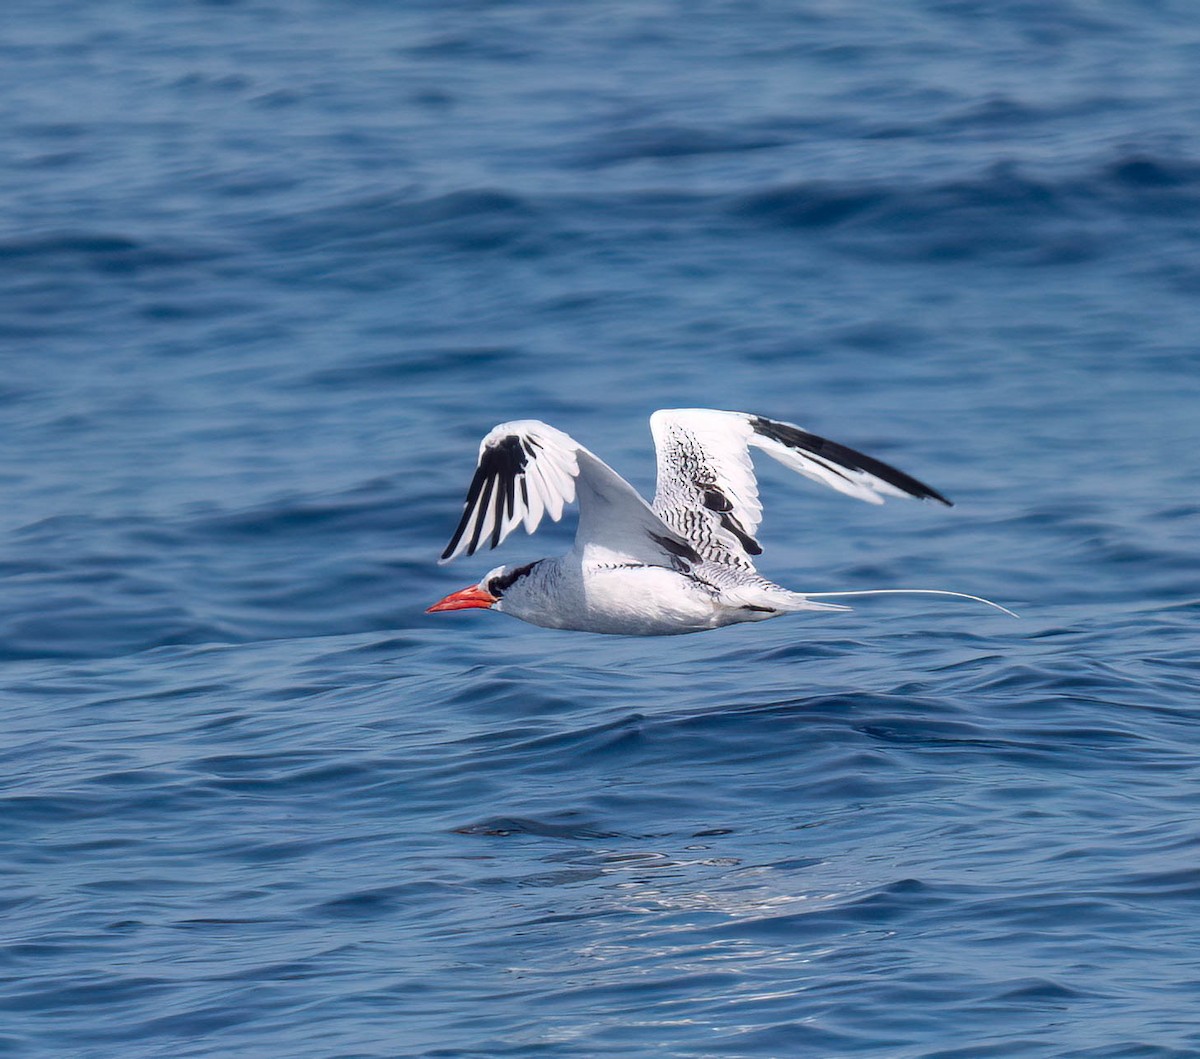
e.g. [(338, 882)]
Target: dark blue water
[(269, 271)]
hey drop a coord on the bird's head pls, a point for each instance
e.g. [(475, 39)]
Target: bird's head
[(490, 594)]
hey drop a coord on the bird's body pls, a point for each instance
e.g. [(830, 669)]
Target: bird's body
[(683, 564), (637, 599)]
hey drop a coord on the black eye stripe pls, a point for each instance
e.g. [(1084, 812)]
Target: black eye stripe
[(499, 585)]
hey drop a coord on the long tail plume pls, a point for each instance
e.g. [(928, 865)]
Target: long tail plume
[(910, 592)]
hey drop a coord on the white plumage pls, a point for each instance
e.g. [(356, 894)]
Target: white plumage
[(683, 564)]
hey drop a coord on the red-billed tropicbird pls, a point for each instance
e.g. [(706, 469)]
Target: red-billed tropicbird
[(682, 564)]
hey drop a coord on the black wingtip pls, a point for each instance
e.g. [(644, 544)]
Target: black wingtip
[(501, 465), (844, 456)]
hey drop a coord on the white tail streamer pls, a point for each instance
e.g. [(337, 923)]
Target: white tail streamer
[(910, 592)]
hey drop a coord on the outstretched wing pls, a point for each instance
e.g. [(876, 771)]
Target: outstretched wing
[(707, 491), (528, 468)]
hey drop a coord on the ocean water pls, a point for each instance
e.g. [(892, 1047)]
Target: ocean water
[(268, 271)]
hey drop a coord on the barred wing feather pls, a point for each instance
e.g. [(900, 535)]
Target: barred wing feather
[(707, 491)]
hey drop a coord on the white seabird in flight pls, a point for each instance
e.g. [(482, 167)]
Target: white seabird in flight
[(682, 564)]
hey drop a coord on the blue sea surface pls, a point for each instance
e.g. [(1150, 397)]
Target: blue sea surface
[(269, 271)]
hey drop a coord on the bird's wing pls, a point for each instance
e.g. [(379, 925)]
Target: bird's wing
[(707, 491), (528, 468)]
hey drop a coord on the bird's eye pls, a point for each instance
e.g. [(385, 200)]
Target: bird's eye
[(492, 587)]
